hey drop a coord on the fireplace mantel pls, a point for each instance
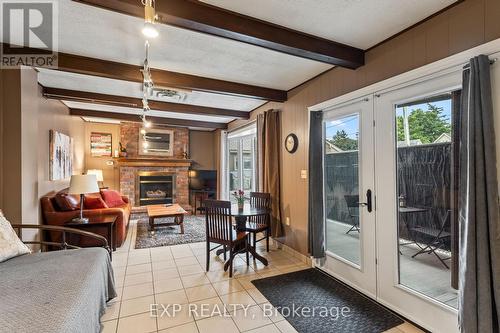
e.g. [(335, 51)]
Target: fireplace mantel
[(153, 162)]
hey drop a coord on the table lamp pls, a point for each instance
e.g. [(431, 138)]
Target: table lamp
[(98, 174), (82, 184)]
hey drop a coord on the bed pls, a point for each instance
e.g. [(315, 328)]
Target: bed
[(58, 291)]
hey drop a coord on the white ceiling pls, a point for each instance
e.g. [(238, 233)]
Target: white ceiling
[(95, 84), (97, 33), (359, 23), (138, 111), (103, 34)]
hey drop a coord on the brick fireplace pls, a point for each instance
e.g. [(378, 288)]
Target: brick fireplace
[(131, 171), (136, 165)]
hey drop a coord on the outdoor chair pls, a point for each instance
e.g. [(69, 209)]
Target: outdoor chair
[(434, 238), (352, 202)]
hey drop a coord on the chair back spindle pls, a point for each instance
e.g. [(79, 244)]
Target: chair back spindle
[(260, 200), (218, 221)]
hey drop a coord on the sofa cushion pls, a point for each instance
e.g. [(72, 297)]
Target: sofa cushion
[(66, 202), (112, 198), (91, 202), (10, 245)]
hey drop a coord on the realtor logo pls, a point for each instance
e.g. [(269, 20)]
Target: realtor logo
[(29, 33)]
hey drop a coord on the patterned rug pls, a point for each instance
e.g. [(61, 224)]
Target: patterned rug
[(194, 231), (313, 290)]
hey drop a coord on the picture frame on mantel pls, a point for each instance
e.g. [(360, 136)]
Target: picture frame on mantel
[(156, 142)]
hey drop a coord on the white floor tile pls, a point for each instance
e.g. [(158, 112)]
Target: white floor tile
[(136, 306), (141, 323), (200, 292), (217, 325)]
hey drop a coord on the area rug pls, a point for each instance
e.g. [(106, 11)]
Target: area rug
[(194, 231), (314, 302)]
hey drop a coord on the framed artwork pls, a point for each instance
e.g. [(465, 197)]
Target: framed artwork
[(100, 144), (61, 155)]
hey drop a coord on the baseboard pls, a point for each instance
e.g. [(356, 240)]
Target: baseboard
[(296, 254)]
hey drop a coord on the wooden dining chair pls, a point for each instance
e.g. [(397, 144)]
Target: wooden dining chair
[(260, 223), (219, 230)]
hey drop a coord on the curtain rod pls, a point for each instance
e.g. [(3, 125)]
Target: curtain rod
[(492, 61)]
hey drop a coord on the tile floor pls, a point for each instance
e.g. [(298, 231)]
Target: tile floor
[(176, 275)]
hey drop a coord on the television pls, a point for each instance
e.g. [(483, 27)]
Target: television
[(203, 180)]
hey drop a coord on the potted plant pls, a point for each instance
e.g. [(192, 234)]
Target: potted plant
[(240, 198)]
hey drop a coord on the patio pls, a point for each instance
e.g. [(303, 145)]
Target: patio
[(425, 273)]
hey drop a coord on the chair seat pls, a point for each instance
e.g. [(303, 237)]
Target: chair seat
[(431, 232), (254, 226), (239, 235)]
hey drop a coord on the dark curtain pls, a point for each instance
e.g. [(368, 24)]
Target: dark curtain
[(478, 204), (269, 144), (316, 210)]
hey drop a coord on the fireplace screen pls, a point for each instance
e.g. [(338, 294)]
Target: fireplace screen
[(156, 189)]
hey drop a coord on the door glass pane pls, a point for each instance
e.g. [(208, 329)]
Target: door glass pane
[(342, 187), (248, 163), (233, 164), (425, 197)]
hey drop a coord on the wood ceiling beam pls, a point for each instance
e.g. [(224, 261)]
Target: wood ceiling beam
[(162, 78), (204, 18), (154, 120), (105, 99)]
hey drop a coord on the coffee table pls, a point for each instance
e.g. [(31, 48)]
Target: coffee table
[(169, 210)]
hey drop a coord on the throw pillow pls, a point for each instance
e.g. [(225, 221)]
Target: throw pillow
[(112, 198), (67, 202), (10, 245), (93, 203)]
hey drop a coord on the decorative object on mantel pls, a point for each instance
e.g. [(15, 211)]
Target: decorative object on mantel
[(123, 150), (60, 155), (240, 198), (291, 143)]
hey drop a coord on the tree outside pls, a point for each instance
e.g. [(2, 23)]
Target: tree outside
[(342, 140), (424, 125)]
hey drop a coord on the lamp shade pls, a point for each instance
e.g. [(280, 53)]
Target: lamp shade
[(82, 184), (97, 173)]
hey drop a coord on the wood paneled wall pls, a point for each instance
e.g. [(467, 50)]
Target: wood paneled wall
[(468, 24)]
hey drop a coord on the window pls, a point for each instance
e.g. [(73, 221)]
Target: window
[(241, 159)]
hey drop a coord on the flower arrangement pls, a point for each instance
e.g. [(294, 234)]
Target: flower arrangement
[(240, 198)]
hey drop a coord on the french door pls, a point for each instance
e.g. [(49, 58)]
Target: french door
[(242, 161), (349, 194), (389, 166), (415, 140)]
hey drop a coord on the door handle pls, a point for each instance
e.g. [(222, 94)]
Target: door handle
[(368, 202)]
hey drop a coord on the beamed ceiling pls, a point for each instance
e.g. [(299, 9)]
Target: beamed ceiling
[(228, 56)]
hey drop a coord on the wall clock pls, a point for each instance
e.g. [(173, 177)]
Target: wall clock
[(291, 143)]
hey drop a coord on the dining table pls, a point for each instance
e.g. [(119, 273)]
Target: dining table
[(241, 216)]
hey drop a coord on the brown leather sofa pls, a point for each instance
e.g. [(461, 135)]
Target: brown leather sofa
[(52, 215)]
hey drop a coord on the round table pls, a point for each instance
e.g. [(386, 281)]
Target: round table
[(241, 216)]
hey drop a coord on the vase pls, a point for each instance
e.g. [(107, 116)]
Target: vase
[(241, 205)]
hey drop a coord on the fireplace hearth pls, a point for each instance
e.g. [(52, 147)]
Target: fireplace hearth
[(155, 188)]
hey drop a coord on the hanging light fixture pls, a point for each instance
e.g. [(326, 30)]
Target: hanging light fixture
[(149, 29)]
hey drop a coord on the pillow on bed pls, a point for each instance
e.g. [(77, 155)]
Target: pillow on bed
[(10, 245)]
